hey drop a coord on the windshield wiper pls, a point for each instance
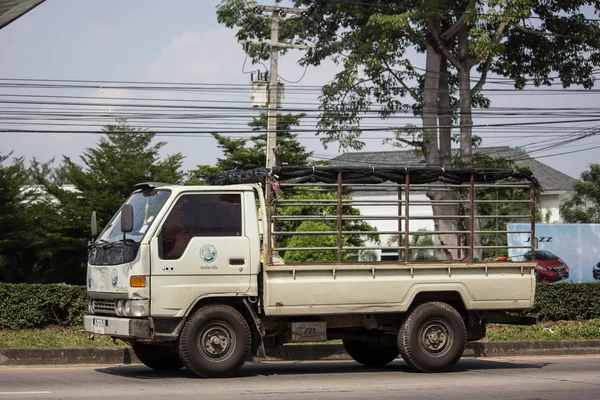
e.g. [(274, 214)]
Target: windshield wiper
[(97, 242), (127, 242)]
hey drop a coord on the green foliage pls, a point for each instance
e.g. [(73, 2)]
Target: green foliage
[(567, 301), (584, 205), (314, 205), (54, 337), (506, 205), (374, 42), (547, 330), (18, 225), (416, 240), (239, 154), (44, 230), (35, 305), (292, 256), (124, 157)]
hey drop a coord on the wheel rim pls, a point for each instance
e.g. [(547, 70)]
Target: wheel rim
[(435, 337), (217, 340)]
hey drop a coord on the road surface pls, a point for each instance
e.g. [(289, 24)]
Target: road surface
[(500, 378)]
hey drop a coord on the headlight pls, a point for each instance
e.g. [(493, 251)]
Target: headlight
[(132, 308), (544, 268), (120, 309), (138, 308)]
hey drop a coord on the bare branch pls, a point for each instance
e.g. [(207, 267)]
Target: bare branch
[(453, 30), (415, 143), (410, 90), (441, 46), (538, 33), (500, 32), (477, 88)]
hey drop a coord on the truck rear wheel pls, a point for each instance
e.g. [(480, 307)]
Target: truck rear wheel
[(370, 354), (157, 357), (432, 338), (215, 341)]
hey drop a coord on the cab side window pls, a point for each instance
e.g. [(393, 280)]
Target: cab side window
[(199, 215)]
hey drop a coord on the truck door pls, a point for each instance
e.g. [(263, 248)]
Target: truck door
[(201, 249)]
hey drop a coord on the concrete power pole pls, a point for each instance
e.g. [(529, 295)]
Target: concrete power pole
[(272, 96), (273, 73)]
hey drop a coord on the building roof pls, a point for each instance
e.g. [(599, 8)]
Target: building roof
[(550, 179), (10, 10)]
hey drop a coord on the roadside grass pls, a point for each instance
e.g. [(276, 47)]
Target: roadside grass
[(555, 330), (53, 337), (64, 336)]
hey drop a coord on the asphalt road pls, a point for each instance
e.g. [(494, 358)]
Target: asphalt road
[(517, 378)]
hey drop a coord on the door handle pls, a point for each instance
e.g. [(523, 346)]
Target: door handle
[(237, 261)]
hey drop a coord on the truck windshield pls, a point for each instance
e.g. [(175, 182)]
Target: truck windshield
[(145, 208)]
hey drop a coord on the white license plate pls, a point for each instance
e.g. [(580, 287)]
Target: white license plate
[(100, 325)]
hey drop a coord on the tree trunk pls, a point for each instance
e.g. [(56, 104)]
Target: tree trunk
[(445, 116), (466, 120), (466, 131), (445, 150), (430, 107), (431, 151)]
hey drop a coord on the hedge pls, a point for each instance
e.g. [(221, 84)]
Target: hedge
[(34, 306), (567, 301)]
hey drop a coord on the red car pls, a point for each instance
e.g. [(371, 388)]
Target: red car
[(550, 268)]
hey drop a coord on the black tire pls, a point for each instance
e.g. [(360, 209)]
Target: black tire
[(160, 358), (215, 341), (371, 354), (432, 338)]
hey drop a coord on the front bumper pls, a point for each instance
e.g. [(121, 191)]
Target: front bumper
[(138, 328)]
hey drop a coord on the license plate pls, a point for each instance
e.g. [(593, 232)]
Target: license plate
[(100, 325)]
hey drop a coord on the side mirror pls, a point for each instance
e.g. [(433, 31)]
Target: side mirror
[(94, 225), (127, 218)]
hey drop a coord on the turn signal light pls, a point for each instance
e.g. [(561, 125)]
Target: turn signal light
[(137, 281)]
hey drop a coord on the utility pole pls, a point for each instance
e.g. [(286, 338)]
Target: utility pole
[(272, 87)]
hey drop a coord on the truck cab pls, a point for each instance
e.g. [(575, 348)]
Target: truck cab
[(185, 244)]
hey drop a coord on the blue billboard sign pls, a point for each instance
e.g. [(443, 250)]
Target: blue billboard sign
[(578, 245)]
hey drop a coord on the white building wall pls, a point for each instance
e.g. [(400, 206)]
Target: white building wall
[(392, 211), (550, 206)]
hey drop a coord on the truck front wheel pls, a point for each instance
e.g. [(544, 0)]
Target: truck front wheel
[(157, 357), (432, 338), (370, 354), (215, 341)]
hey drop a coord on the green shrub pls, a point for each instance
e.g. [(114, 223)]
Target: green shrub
[(567, 301), (35, 305)]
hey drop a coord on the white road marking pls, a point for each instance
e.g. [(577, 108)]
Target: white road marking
[(13, 393)]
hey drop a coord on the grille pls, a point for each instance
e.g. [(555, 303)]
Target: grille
[(103, 306)]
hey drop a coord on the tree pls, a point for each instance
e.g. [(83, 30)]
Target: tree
[(239, 154), (584, 206), (371, 39), (316, 206), (17, 225), (124, 157), (500, 202), (424, 240)]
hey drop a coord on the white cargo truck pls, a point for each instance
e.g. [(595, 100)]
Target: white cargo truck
[(198, 276)]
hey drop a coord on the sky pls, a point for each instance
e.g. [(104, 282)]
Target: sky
[(181, 41)]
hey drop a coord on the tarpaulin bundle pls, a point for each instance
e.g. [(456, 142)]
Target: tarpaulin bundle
[(236, 176), (329, 174)]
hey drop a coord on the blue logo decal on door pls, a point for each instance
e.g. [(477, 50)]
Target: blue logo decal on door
[(114, 275), (208, 252)]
